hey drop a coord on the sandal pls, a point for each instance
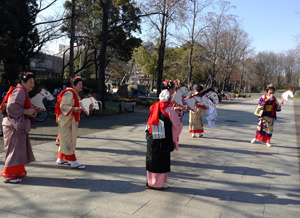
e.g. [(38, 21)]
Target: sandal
[(149, 187), (14, 181), (78, 167), (64, 163)]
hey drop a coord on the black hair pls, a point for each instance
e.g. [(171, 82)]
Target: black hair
[(271, 88), (168, 84), (199, 88), (25, 76), (75, 80), (207, 91)]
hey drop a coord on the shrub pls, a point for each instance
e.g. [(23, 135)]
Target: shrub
[(49, 83), (146, 103), (111, 111), (90, 83)]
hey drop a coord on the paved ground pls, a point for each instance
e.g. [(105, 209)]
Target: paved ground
[(43, 132), (220, 175)]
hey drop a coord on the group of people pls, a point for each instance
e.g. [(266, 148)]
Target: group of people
[(163, 129), (18, 116), (162, 133)]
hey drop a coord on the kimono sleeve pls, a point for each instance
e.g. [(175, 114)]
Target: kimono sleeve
[(262, 102), (176, 126), (66, 103), (277, 107), (15, 108)]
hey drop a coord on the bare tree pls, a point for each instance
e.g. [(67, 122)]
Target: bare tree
[(291, 68), (168, 11), (193, 23), (212, 38)]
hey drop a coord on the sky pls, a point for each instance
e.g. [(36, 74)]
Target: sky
[(271, 24)]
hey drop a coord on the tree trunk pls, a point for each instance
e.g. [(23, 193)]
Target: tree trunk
[(161, 52), (242, 74), (72, 39), (102, 56), (96, 63), (192, 45)]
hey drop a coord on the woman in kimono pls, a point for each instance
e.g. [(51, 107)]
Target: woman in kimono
[(163, 129), (265, 123), (16, 126), (195, 119), (68, 112)]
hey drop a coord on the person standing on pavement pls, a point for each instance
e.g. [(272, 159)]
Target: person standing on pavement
[(68, 113), (162, 132), (195, 119), (16, 126), (266, 122)]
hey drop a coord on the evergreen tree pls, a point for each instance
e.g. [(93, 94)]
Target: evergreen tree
[(17, 36)]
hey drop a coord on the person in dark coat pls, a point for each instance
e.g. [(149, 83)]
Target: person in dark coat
[(163, 130)]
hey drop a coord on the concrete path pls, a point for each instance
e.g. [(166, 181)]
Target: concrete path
[(220, 175)]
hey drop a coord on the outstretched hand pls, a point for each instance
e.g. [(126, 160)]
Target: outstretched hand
[(281, 103)]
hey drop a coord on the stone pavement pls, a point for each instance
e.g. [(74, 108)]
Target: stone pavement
[(220, 175)]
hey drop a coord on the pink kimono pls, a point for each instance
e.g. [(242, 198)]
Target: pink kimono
[(157, 180), (16, 127)]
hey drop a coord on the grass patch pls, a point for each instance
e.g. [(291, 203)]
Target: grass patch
[(111, 111)]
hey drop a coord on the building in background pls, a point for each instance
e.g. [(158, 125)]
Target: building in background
[(46, 66)]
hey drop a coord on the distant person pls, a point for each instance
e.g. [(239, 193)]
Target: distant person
[(163, 130), (285, 96), (265, 123), (16, 126), (65, 83), (195, 119), (68, 112)]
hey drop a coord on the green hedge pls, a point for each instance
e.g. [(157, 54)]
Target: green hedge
[(49, 83), (52, 84), (91, 83), (146, 103)]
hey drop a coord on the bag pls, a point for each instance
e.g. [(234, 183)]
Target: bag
[(259, 111)]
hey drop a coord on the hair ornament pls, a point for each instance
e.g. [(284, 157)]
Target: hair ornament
[(25, 75)]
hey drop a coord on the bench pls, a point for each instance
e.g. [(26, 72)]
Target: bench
[(126, 107)]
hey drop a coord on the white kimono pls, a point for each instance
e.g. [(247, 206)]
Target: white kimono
[(211, 114)]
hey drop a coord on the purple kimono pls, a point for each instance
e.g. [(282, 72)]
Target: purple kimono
[(16, 129), (265, 123)]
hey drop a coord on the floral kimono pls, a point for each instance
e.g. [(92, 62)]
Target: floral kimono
[(68, 125), (265, 123)]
